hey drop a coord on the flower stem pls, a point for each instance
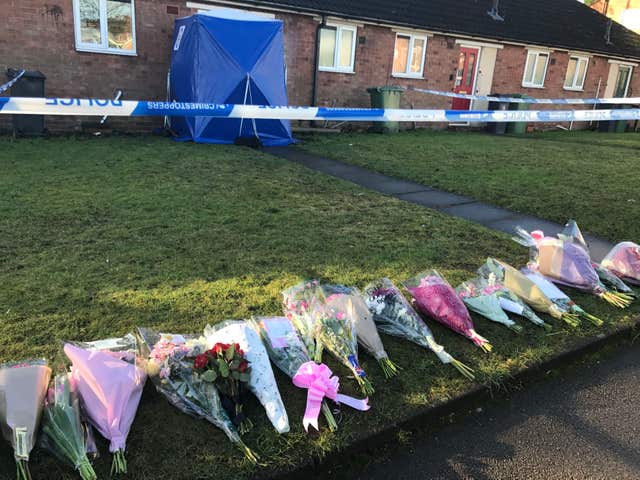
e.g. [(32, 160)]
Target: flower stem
[(571, 319), (119, 463), (463, 369), (86, 470), (22, 468), (515, 327), (389, 368), (248, 453), (365, 385), (328, 415)]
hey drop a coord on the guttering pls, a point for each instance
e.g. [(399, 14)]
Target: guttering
[(316, 62)]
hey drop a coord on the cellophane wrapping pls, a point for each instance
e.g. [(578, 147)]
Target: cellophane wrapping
[(62, 431), (262, 383), (23, 387), (170, 366), (436, 298)]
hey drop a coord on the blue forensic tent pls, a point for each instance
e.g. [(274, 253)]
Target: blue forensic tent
[(229, 56)]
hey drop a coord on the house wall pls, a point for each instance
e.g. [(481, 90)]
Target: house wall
[(39, 35)]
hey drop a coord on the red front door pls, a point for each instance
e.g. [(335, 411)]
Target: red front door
[(465, 77)]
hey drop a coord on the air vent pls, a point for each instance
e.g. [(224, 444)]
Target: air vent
[(494, 13)]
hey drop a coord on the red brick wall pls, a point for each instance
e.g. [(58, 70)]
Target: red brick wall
[(38, 35)]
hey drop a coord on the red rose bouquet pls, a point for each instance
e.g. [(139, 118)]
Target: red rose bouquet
[(225, 366)]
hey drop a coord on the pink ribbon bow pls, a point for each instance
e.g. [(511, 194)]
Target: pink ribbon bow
[(321, 382)]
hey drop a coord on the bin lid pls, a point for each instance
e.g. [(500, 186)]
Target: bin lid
[(387, 88), (13, 73)]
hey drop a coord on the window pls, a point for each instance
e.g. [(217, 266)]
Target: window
[(337, 48), (622, 81), (536, 69), (576, 73), (105, 26), (408, 56)]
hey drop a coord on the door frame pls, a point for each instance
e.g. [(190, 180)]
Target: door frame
[(475, 79)]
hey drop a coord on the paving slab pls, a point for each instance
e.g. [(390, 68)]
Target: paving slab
[(450, 203), (479, 212), (436, 199)]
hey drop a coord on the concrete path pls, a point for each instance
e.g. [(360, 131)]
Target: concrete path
[(445, 202), (583, 424)]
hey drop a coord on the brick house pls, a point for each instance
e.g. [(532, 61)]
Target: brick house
[(334, 49), (625, 12)]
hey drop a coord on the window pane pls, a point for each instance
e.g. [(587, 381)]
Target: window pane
[(621, 83), (416, 55), (528, 74), (401, 54), (470, 69), (90, 21), (346, 48), (119, 24), (571, 72), (582, 72), (541, 67), (327, 47)]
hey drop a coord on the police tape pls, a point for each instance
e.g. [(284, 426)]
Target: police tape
[(530, 100), (130, 108), (10, 83)]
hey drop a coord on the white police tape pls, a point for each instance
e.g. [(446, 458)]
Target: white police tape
[(130, 108), (541, 101), (10, 83)]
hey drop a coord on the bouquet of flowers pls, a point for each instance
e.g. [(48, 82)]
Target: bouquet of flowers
[(350, 300), (435, 297), (23, 387), (62, 431), (394, 315), (336, 331), (259, 379), (110, 385), (572, 233), (624, 261), (289, 354), (566, 261), (526, 289), (171, 364), (484, 300), (613, 281), (509, 301), (297, 303), (558, 297), (286, 350)]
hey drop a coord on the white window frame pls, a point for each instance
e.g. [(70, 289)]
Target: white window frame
[(340, 27), (574, 86), (626, 88), (408, 73), (104, 47), (537, 54)]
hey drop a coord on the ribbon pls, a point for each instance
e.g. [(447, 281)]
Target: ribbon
[(9, 84), (320, 382)]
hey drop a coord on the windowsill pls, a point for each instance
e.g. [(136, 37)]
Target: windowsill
[(336, 70), (573, 89), (533, 86), (408, 75), (126, 53)]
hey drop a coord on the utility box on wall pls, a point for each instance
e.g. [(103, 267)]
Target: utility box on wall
[(31, 84)]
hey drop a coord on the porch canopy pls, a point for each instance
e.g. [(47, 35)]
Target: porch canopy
[(233, 57)]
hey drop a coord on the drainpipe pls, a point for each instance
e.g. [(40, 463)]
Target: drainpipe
[(316, 63)]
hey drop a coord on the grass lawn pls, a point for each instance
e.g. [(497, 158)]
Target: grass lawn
[(589, 176), (100, 235)]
